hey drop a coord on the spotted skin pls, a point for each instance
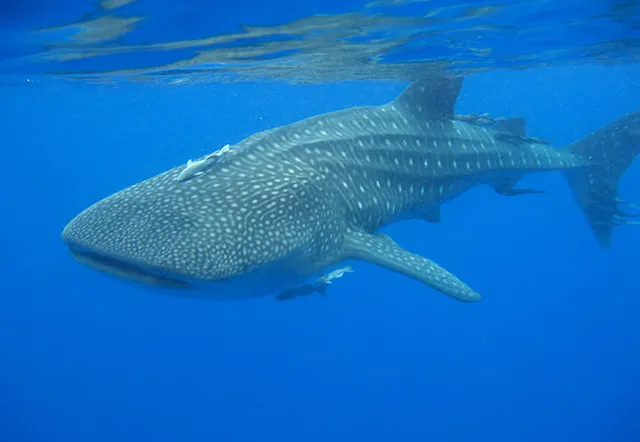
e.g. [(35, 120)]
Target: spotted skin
[(285, 204)]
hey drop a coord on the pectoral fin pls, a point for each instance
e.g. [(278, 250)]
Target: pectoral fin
[(383, 251), (515, 126)]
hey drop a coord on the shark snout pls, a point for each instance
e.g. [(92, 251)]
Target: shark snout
[(139, 234), (99, 256)]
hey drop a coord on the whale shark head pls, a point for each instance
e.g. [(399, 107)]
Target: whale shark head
[(160, 231), (172, 232)]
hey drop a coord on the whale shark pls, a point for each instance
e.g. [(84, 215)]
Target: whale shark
[(266, 214)]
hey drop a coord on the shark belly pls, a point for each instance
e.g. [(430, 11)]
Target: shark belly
[(260, 282)]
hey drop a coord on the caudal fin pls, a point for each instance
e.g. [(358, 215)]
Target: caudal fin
[(609, 150)]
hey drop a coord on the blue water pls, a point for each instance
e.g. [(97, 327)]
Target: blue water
[(551, 353)]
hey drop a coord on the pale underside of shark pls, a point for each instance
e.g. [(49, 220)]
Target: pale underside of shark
[(283, 205)]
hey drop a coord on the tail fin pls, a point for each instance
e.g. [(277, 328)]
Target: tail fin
[(609, 150)]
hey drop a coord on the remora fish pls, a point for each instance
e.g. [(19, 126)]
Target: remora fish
[(319, 286), (285, 204)]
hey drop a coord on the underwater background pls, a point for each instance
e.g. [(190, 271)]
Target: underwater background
[(551, 353)]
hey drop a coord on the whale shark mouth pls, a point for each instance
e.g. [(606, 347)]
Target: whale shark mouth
[(123, 269)]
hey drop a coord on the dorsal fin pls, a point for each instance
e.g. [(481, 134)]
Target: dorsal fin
[(516, 126), (430, 98)]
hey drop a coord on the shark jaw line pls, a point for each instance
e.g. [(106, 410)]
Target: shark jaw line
[(183, 287), (126, 270)]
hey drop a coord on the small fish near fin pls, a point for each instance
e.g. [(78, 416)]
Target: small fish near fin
[(298, 291), (509, 137), (331, 276), (514, 130), (505, 186), (319, 286), (383, 251), (430, 98), (516, 126)]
